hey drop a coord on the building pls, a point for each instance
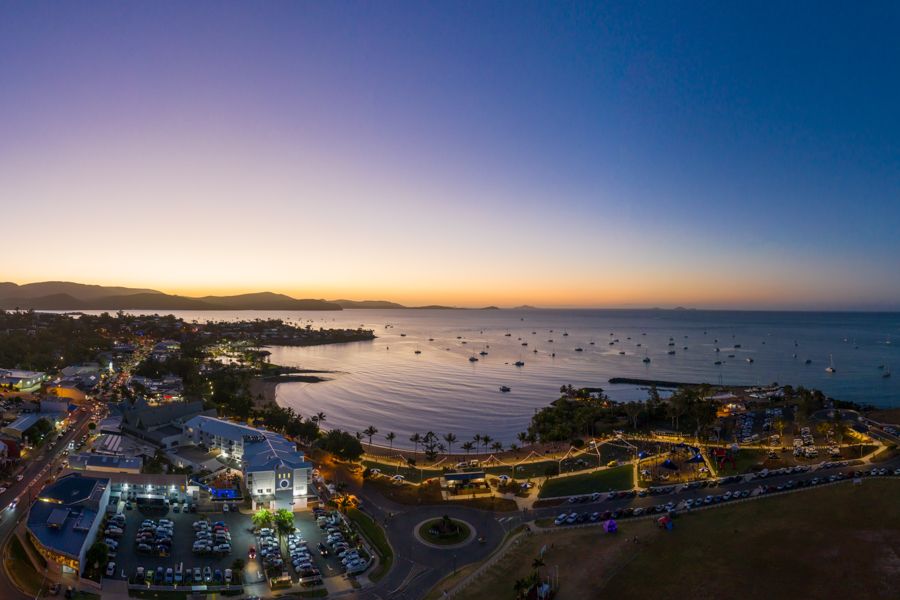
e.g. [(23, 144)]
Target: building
[(161, 425), (18, 428), (63, 522), (54, 404), (104, 463), (276, 474), (23, 381)]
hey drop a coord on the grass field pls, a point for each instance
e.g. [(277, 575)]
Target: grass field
[(836, 542), (376, 537), (617, 478)]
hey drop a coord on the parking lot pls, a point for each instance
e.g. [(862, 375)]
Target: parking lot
[(128, 559)]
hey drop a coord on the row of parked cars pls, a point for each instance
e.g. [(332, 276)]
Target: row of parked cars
[(211, 538), (302, 560), (179, 575), (335, 543), (269, 550), (155, 537)]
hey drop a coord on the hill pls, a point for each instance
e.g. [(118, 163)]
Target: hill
[(60, 295)]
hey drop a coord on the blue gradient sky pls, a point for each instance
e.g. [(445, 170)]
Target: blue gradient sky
[(629, 154)]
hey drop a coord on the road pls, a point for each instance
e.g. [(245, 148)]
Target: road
[(37, 470)]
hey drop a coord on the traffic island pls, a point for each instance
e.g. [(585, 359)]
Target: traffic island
[(444, 532)]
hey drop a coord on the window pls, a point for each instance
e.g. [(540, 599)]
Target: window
[(268, 490)]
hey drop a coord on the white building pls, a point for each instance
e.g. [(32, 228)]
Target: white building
[(23, 381), (276, 474)]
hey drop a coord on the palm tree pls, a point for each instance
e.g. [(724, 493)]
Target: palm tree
[(477, 440), (485, 440), (468, 446), (370, 431), (536, 564), (284, 521), (390, 437), (450, 439), (319, 417), (522, 437), (497, 446), (416, 439)]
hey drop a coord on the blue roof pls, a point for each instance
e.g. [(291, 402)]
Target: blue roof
[(65, 511), (263, 450), (24, 423)]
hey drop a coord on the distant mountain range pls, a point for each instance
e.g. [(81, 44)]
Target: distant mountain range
[(64, 295)]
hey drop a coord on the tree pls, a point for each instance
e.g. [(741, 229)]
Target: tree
[(92, 426), (520, 587), (342, 444), (416, 439), (536, 564), (390, 437), (477, 439), (450, 438), (238, 565), (779, 424), (97, 554), (633, 410), (497, 446), (522, 437), (485, 440), (468, 447), (263, 518), (284, 521), (370, 431)]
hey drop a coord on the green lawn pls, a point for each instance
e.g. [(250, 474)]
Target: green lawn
[(375, 534), (412, 474), (462, 533), (617, 478), (835, 542)]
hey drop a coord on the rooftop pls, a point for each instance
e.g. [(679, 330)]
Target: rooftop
[(90, 462), (263, 450), (65, 511)]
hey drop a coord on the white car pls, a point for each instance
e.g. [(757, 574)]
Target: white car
[(20, 477), (110, 569), (398, 478)]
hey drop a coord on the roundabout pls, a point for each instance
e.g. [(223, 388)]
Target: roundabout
[(444, 533)]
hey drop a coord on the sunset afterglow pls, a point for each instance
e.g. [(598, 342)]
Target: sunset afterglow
[(432, 157)]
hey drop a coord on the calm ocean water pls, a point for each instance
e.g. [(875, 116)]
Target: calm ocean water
[(386, 384)]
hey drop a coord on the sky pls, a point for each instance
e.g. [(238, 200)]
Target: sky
[(705, 154)]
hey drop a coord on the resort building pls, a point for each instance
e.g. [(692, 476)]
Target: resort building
[(276, 474), (63, 522), (22, 381)]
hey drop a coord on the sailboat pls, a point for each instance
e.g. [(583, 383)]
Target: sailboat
[(830, 368), (886, 373)]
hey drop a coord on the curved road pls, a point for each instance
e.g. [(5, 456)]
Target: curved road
[(36, 472)]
